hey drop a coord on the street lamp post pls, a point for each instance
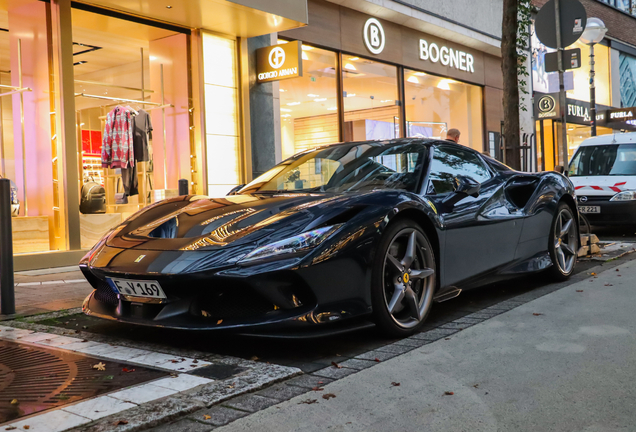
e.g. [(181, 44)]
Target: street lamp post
[(594, 33)]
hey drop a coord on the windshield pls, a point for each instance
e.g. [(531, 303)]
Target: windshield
[(354, 167), (615, 159)]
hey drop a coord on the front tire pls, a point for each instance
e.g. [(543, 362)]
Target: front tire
[(563, 243), (404, 279)]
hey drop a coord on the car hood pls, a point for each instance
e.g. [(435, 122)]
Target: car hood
[(202, 223)]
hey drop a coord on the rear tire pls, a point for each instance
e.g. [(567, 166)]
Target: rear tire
[(403, 279), (563, 243)]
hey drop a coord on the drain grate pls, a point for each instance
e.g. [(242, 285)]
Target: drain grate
[(37, 379)]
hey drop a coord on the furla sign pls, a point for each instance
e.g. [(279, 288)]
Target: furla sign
[(447, 56)]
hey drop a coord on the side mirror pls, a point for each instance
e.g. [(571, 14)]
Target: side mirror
[(464, 186), (236, 189), (560, 169)]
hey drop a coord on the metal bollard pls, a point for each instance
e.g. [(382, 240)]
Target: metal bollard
[(183, 187), (7, 289)]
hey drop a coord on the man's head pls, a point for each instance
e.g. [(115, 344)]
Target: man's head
[(453, 135)]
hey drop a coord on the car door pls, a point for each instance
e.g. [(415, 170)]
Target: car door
[(474, 244)]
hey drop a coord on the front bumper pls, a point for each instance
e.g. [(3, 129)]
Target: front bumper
[(281, 294), (612, 212)]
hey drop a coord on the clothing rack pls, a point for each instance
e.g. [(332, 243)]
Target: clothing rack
[(157, 104)]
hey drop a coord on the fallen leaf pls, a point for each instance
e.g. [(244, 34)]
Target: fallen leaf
[(334, 364), (127, 370), (26, 427), (317, 388), (579, 290), (377, 360), (254, 358), (395, 384), (207, 417), (195, 361), (449, 393), (219, 322), (14, 402), (593, 274), (11, 428), (618, 275), (537, 314), (617, 270), (205, 314), (174, 361), (84, 327), (100, 366), (609, 285), (446, 338), (121, 422), (321, 382), (476, 385), (328, 396), (308, 401)]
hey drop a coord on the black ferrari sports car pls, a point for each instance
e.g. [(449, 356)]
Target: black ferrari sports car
[(335, 238)]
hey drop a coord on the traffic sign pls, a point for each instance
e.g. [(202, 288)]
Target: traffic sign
[(571, 60), (573, 21)]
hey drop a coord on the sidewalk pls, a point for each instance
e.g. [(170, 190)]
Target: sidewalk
[(39, 293), (562, 362)]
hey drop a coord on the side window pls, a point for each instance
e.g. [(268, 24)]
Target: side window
[(448, 162)]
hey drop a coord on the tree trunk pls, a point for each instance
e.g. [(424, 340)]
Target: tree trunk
[(509, 61)]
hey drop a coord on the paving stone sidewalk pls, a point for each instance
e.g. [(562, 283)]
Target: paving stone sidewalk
[(47, 291)]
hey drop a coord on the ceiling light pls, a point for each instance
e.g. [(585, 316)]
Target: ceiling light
[(153, 58), (305, 56), (285, 109), (350, 66), (286, 115), (413, 79), (354, 58), (307, 48), (351, 95), (311, 95), (419, 73), (293, 103), (570, 128), (387, 100), (320, 100), (282, 90), (443, 85), (168, 7), (332, 108)]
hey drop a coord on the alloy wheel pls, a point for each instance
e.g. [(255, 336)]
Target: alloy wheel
[(565, 241), (409, 278)]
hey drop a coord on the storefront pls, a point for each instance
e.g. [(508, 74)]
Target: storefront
[(365, 78), (77, 78)]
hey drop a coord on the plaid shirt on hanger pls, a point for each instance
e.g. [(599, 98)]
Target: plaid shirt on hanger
[(117, 143)]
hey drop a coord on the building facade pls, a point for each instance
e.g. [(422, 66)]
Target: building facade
[(210, 111), (615, 67)]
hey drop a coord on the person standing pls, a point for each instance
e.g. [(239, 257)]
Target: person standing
[(453, 135)]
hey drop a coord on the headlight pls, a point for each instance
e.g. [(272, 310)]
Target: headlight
[(624, 196), (293, 245)]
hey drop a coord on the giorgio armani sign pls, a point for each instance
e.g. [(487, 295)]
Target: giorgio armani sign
[(279, 62)]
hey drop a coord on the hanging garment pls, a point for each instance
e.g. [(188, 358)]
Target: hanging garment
[(142, 132), (117, 142), (130, 180)]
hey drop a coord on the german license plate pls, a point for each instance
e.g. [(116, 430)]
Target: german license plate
[(139, 288), (589, 209)]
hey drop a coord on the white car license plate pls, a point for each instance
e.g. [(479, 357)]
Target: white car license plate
[(589, 209), (139, 288)]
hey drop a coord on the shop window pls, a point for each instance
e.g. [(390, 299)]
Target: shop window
[(309, 104), (436, 104), (29, 144), (627, 67), (133, 77), (371, 102), (221, 114)]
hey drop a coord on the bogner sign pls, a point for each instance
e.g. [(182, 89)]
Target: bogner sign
[(375, 40), (279, 62)]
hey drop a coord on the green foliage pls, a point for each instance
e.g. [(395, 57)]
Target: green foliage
[(523, 46)]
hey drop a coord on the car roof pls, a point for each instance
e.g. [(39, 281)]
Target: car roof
[(615, 138)]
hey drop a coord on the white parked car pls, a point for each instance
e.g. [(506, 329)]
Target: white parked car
[(603, 171)]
